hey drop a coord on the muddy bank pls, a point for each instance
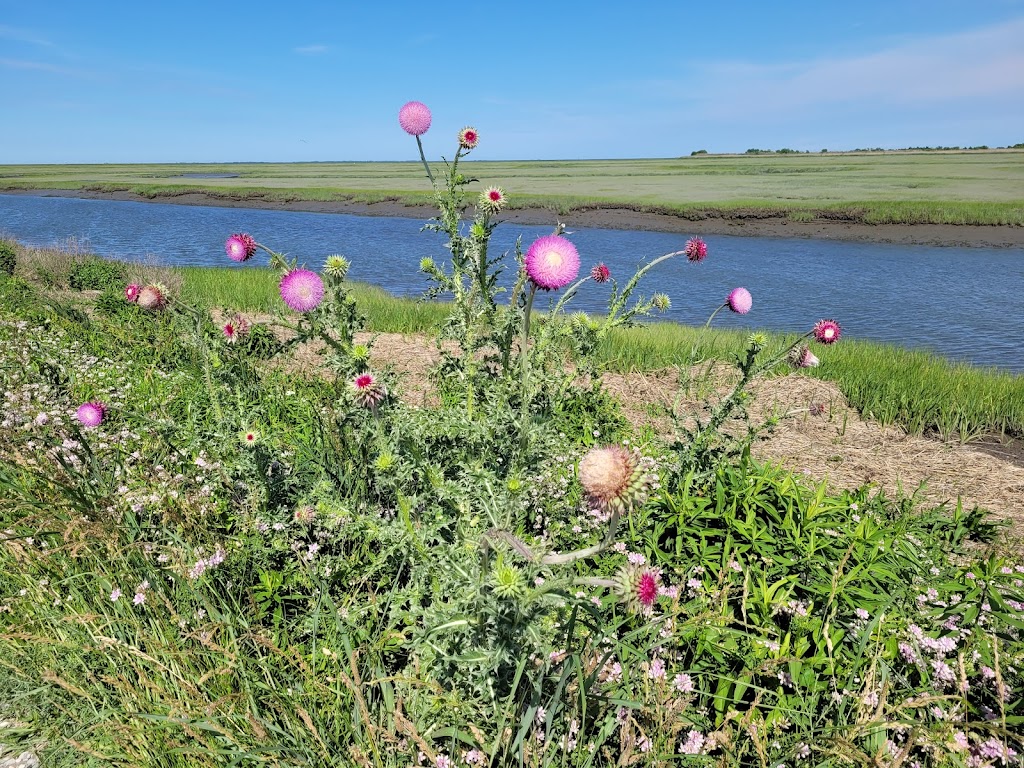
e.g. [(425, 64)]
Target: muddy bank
[(617, 218)]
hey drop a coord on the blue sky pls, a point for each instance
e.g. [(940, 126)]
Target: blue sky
[(217, 82)]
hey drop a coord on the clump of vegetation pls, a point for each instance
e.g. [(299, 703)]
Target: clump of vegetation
[(209, 560), (8, 258), (96, 274)]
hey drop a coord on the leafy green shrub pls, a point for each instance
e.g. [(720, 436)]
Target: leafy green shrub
[(8, 258), (96, 274)]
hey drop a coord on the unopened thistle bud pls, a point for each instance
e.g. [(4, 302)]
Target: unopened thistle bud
[(615, 479), (336, 266), (661, 302)]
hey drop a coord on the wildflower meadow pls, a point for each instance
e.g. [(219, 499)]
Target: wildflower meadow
[(214, 555)]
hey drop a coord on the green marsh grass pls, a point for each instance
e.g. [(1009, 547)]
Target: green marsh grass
[(967, 187), (256, 290)]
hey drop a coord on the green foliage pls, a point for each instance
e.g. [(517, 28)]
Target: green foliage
[(96, 274), (8, 258), (246, 563)]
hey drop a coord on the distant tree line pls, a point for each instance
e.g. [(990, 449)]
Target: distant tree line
[(788, 151)]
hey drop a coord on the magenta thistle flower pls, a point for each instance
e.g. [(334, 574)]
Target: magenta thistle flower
[(302, 290), (600, 274), (468, 138), (552, 262), (827, 331), (638, 588), (91, 414), (368, 391), (240, 247), (152, 297), (493, 199), (696, 249), (804, 358), (740, 301), (235, 328), (131, 292), (414, 117)]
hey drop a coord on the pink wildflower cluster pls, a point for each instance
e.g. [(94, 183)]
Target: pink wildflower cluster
[(694, 744), (203, 565)]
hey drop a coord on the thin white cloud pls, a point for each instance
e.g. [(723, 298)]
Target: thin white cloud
[(41, 66), (312, 50), (985, 63), (23, 36)]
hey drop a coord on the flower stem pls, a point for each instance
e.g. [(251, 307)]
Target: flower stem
[(525, 369), (423, 157)]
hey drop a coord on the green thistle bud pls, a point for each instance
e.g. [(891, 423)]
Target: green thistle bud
[(757, 340), (478, 231), (427, 264), (661, 302), (384, 462), (514, 485), (337, 266), (360, 353), (507, 581)]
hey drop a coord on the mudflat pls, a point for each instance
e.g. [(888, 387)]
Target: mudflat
[(752, 223)]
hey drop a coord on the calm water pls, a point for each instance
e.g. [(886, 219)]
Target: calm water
[(964, 303)]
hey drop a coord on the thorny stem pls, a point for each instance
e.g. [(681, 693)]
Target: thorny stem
[(423, 157), (525, 367)]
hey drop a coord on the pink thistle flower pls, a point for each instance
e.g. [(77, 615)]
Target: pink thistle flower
[(235, 328), (302, 290), (468, 138), (827, 331), (696, 249), (740, 301), (638, 588), (552, 262), (368, 391), (802, 357), (152, 297), (131, 292), (240, 247), (808, 359), (414, 117), (493, 199), (91, 414), (600, 274)]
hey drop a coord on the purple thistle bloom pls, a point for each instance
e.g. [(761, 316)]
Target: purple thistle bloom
[(91, 414), (240, 247), (740, 301), (552, 262), (696, 249), (414, 117), (302, 290), (827, 331)]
